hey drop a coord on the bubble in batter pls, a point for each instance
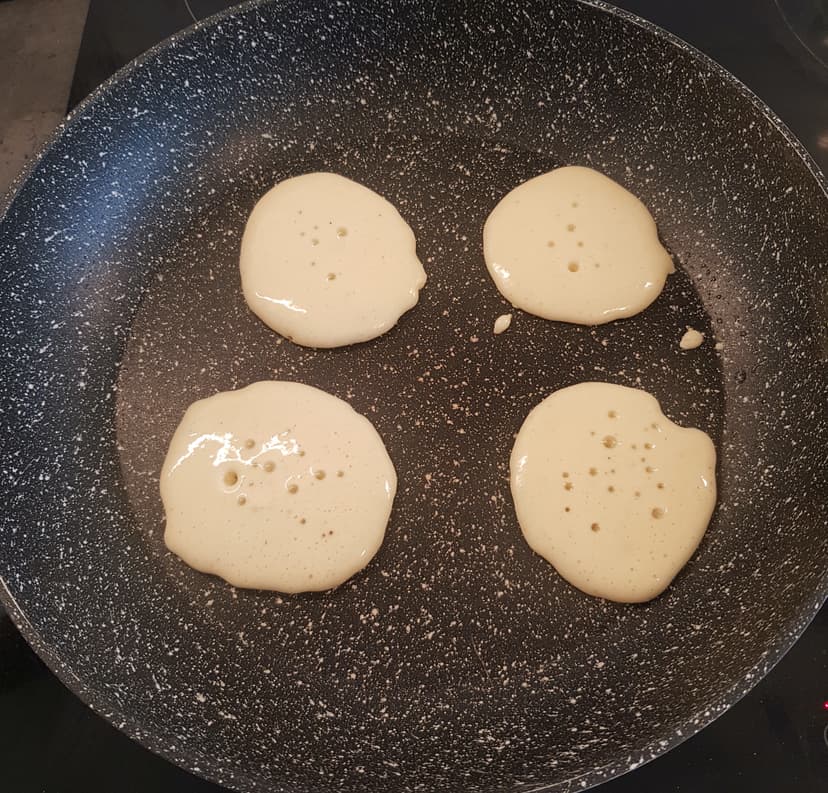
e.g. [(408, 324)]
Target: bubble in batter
[(276, 486), (610, 491), (327, 262), (573, 245)]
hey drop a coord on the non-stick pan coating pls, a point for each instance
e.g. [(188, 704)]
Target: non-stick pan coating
[(457, 660)]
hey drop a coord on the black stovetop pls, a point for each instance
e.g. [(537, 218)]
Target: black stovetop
[(775, 739)]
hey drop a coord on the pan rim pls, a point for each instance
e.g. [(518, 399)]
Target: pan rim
[(162, 744)]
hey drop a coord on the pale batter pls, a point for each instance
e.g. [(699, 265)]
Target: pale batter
[(610, 491), (327, 262), (691, 339), (276, 486), (575, 246), (502, 324)]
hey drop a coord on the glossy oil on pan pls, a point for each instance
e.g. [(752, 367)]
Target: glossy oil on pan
[(457, 660)]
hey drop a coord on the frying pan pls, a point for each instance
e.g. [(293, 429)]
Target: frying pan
[(457, 660)]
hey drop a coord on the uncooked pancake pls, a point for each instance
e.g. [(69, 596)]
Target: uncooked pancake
[(610, 491), (575, 246), (276, 486), (327, 262)]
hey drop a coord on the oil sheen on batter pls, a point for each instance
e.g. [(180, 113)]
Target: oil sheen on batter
[(573, 245), (276, 486), (610, 491), (327, 262)]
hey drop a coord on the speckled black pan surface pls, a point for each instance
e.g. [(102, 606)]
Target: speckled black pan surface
[(458, 660)]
